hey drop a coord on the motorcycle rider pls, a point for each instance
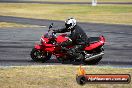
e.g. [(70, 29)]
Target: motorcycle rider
[(78, 38)]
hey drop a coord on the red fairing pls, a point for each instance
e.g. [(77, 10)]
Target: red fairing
[(61, 38), (49, 47), (37, 46), (102, 38), (44, 40), (97, 44)]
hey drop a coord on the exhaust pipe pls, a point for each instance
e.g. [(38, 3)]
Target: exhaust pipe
[(94, 57)]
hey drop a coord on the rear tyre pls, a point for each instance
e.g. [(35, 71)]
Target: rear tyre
[(39, 55), (93, 62)]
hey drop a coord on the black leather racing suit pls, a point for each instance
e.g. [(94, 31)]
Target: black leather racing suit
[(79, 39)]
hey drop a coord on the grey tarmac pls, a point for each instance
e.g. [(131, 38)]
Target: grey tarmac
[(16, 43)]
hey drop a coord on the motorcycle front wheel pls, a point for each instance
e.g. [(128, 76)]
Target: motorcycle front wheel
[(39, 55)]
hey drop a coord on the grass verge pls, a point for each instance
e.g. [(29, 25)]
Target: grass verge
[(113, 14), (8, 24), (55, 76), (82, 0)]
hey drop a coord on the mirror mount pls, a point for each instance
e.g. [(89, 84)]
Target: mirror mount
[(51, 26)]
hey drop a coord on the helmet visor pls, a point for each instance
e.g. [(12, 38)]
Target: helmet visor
[(68, 25)]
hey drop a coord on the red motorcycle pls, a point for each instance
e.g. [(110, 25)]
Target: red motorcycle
[(92, 54)]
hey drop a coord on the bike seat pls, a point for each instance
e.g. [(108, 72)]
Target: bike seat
[(94, 39)]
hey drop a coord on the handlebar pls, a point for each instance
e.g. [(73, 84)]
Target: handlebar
[(51, 26), (50, 34), (51, 29)]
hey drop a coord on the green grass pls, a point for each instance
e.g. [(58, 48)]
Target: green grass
[(8, 24), (113, 14), (82, 0), (55, 76)]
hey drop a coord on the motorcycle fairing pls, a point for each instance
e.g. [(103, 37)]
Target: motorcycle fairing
[(96, 44), (44, 39), (61, 38), (37, 46), (49, 47)]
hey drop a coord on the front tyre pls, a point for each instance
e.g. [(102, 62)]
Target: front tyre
[(39, 55)]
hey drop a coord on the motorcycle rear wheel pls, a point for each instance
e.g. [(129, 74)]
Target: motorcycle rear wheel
[(39, 55)]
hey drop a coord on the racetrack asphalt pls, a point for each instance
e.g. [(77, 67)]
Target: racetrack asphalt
[(16, 43)]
